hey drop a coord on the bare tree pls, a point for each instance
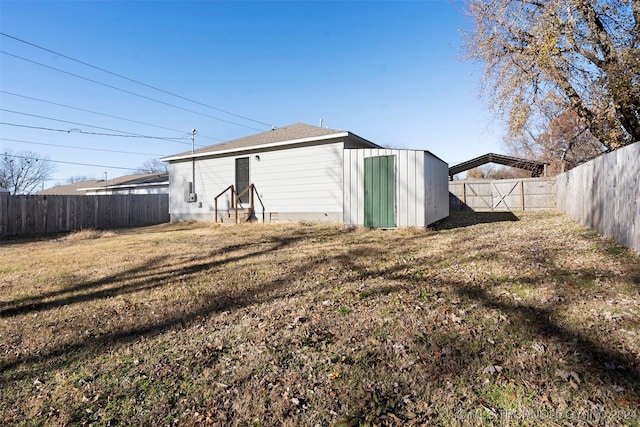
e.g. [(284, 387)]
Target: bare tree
[(24, 172), (583, 52), (475, 173), (153, 166), (78, 178), (558, 138), (492, 171)]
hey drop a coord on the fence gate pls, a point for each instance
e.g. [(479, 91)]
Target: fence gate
[(503, 195), (506, 196), (478, 195)]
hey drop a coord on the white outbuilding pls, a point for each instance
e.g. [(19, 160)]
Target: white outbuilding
[(307, 173)]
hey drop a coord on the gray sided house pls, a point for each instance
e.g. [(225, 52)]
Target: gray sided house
[(307, 173)]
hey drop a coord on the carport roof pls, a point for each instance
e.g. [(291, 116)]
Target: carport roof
[(537, 168)]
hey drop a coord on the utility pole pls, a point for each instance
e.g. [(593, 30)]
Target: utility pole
[(193, 161)]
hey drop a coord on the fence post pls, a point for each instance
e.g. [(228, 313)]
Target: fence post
[(4, 210), (522, 193)]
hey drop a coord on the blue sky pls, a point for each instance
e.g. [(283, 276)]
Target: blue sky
[(390, 72)]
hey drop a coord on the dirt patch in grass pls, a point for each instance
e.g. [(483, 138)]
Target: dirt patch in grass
[(526, 320)]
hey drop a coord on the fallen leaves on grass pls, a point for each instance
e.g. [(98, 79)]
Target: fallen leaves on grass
[(314, 325)]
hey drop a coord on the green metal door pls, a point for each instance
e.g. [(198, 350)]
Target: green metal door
[(379, 192)]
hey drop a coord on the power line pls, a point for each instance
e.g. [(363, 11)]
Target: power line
[(78, 148), (89, 111), (126, 91), (68, 163), (76, 131), (102, 114), (128, 134), (136, 81)]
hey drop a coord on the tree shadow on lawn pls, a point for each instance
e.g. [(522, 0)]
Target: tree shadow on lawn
[(145, 276), (467, 218), (213, 302), (598, 361), (138, 230), (532, 321), (151, 274), (528, 321)]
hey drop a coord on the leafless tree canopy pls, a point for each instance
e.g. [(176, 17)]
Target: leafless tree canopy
[(153, 166), (585, 53), (78, 178), (24, 172), (559, 138), (492, 171)]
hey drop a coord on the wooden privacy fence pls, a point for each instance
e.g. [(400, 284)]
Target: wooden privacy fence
[(604, 194), (33, 215), (503, 195)]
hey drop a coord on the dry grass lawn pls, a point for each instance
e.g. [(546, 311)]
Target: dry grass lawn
[(488, 319)]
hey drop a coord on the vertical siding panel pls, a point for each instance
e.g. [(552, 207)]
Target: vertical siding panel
[(402, 186), (412, 178), (436, 189), (345, 188), (353, 191), (353, 187), (409, 174), (360, 184), (427, 189), (418, 191), (417, 196)]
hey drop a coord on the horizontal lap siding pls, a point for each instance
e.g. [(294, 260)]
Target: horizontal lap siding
[(305, 179), (293, 180), (211, 177)]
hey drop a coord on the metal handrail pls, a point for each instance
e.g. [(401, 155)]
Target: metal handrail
[(233, 202), (253, 187)]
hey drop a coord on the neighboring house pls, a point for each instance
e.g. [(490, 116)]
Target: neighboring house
[(149, 183), (308, 173)]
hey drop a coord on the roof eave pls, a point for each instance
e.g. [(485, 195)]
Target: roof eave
[(365, 141), (261, 146), (120, 186)]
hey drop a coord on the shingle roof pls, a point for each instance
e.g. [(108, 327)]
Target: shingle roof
[(137, 180), (78, 188), (293, 132), (74, 189)]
